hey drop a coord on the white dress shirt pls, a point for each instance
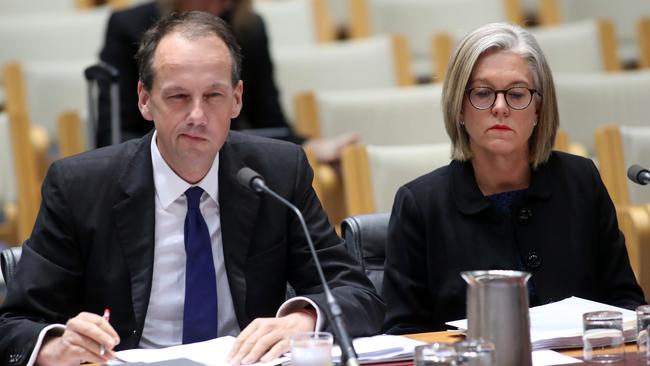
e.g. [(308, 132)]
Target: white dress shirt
[(163, 324)]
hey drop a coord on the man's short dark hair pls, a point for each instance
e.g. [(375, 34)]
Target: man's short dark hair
[(191, 24)]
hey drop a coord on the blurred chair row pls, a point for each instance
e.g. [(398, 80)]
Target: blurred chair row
[(327, 88)]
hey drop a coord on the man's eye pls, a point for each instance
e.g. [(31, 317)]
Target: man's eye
[(178, 96)]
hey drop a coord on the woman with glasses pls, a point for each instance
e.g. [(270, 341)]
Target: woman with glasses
[(506, 200)]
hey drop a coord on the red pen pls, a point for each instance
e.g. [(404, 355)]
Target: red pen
[(107, 317)]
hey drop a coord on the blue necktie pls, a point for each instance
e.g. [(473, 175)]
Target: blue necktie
[(200, 311)]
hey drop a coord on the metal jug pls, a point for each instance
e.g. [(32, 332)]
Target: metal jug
[(497, 311)]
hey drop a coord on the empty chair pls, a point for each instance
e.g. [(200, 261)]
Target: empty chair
[(588, 101), (373, 174), (361, 64), (624, 14), (51, 37), (619, 147), (419, 20), (383, 116), (584, 46), (296, 22), (51, 88)]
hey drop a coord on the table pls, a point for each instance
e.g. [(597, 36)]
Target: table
[(631, 357)]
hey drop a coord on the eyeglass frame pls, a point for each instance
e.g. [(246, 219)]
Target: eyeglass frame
[(505, 96)]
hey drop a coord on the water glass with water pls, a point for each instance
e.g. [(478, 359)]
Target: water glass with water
[(602, 336), (475, 352), (642, 323), (435, 354), (311, 349)]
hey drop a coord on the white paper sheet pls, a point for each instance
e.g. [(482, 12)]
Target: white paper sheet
[(210, 353), (547, 357), (559, 324)]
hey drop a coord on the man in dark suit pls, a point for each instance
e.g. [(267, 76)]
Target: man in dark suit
[(110, 231)]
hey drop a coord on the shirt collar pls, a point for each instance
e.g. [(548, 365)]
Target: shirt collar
[(169, 186)]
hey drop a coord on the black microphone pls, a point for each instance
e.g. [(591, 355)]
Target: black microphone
[(250, 179), (638, 175)]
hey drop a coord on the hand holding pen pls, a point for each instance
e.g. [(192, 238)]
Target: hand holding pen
[(87, 337)]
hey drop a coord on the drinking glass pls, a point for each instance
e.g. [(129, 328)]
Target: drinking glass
[(642, 323), (475, 352), (435, 354), (602, 336), (311, 349)]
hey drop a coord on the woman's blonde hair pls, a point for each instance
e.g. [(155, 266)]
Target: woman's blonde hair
[(500, 37)]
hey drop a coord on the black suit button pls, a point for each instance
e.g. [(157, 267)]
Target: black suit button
[(533, 260), (525, 214)]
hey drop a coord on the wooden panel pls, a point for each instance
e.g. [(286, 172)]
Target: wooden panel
[(360, 26), (441, 45), (357, 185), (608, 46), (514, 12), (402, 61), (561, 141), (609, 150), (307, 122), (549, 12), (325, 30), (27, 184), (328, 187), (70, 136), (643, 39), (634, 222)]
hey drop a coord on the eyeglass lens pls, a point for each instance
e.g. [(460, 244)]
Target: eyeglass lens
[(516, 98)]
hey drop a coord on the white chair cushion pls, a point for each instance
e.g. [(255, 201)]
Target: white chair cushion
[(393, 166), (387, 116), (571, 47), (288, 22), (52, 36), (52, 88), (587, 101), (348, 65)]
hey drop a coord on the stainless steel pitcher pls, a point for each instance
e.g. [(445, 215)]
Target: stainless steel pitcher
[(497, 311)]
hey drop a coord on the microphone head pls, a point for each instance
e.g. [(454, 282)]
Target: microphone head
[(250, 179), (634, 173)]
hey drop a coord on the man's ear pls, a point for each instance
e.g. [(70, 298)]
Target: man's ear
[(237, 101), (143, 102)]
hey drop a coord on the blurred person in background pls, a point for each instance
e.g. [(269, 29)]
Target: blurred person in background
[(261, 107), (506, 200)]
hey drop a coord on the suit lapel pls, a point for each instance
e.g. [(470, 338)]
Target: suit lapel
[(135, 224), (238, 212)]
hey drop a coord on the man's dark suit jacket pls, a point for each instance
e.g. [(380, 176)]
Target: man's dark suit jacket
[(92, 245), (564, 231), (124, 31)]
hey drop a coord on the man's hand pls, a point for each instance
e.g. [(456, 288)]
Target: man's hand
[(267, 338), (328, 150), (81, 341)]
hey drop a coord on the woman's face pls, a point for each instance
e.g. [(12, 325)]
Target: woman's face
[(500, 129)]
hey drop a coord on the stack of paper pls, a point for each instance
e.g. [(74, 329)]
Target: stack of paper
[(381, 348), (559, 324)]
